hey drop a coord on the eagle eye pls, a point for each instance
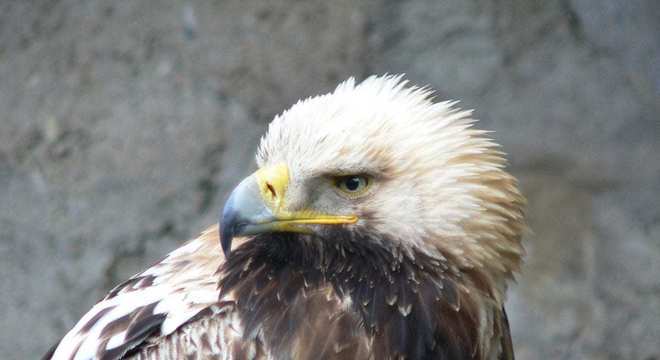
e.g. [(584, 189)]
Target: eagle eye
[(352, 185)]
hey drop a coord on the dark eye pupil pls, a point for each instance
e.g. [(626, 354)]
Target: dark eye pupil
[(352, 183)]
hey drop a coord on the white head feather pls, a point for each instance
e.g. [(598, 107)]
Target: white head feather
[(446, 187)]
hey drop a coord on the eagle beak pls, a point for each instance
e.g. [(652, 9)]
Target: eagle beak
[(257, 205)]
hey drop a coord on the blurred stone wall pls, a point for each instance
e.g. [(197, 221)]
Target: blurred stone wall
[(124, 124)]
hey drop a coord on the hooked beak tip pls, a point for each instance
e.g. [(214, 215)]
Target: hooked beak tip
[(225, 241), (243, 206)]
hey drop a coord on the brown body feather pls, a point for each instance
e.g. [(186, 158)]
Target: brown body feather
[(358, 298), (292, 297)]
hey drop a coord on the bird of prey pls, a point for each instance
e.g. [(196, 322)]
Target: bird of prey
[(380, 224)]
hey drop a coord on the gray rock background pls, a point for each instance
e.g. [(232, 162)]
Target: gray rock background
[(124, 124)]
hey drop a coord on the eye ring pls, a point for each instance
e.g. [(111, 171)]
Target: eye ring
[(352, 185)]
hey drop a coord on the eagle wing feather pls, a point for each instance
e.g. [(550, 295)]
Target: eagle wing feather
[(159, 309)]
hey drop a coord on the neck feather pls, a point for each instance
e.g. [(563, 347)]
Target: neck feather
[(407, 303)]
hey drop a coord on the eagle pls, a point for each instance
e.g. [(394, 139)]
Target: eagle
[(380, 224)]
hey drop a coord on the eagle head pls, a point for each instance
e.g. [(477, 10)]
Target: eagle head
[(381, 162)]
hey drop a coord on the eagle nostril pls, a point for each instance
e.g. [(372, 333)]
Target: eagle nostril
[(272, 190)]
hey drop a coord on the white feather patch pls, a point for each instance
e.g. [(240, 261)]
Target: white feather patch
[(180, 287)]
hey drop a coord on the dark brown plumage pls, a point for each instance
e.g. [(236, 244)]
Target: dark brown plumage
[(410, 305)]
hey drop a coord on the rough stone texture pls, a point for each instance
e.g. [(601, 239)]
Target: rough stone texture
[(124, 124)]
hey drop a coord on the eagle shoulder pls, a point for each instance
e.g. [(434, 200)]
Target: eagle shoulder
[(176, 299)]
